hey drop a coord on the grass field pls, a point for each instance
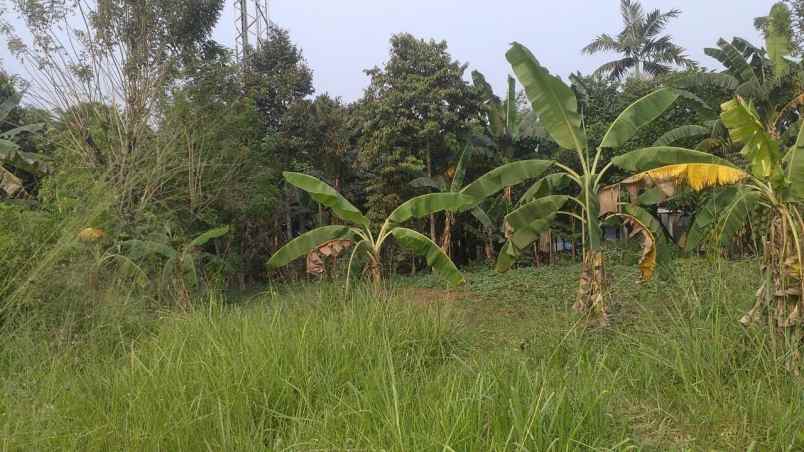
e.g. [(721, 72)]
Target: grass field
[(502, 364)]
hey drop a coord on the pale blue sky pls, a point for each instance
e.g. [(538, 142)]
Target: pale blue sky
[(341, 38)]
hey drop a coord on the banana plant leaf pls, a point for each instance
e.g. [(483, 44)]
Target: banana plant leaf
[(423, 246), (212, 234), (424, 205), (746, 127), (545, 186), (656, 157), (505, 176), (552, 100), (522, 217), (140, 249), (528, 223), (637, 115), (682, 133), (437, 183), (520, 239), (706, 216), (303, 244), (795, 168), (328, 197), (460, 169)]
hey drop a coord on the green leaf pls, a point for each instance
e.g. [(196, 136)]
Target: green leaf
[(647, 220), (482, 217), (746, 127), (505, 176), (682, 133), (35, 164), (638, 115), (706, 215), (655, 157), (303, 244), (550, 98), (328, 197), (651, 196), (545, 186), (139, 249), (423, 246), (522, 217), (31, 128), (736, 214), (707, 79), (9, 104), (436, 183), (528, 223), (795, 167), (425, 205), (460, 169), (779, 38), (735, 62), (202, 239)]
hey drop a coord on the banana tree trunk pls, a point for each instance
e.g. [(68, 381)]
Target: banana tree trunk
[(432, 216), (591, 297), (779, 299), (375, 271), (446, 239)]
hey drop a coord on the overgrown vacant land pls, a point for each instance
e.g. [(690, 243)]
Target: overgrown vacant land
[(202, 251), (501, 364)]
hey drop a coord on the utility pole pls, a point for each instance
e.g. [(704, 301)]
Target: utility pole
[(252, 21)]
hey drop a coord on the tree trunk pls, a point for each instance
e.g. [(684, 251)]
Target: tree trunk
[(432, 216), (288, 218), (779, 299), (446, 239), (591, 297), (375, 270)]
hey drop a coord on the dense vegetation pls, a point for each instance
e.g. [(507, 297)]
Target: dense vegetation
[(157, 199)]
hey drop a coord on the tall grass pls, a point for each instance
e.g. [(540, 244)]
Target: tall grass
[(311, 370)]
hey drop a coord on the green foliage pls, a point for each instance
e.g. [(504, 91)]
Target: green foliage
[(640, 43)]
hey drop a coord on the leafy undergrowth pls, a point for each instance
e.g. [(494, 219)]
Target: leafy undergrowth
[(501, 364)]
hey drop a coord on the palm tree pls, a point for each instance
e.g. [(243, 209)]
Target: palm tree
[(642, 48)]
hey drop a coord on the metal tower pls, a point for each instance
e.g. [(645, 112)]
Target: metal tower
[(252, 20)]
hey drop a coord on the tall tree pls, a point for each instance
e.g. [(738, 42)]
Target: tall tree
[(415, 113), (643, 48)]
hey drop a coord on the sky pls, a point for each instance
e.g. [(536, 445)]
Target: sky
[(342, 38)]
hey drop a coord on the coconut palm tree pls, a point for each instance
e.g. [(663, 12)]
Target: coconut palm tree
[(642, 47)]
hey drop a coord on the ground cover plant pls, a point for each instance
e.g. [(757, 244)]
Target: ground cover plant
[(161, 192)]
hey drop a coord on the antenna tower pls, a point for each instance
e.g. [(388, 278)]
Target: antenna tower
[(252, 21)]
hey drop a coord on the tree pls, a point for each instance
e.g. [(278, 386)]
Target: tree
[(13, 159), (556, 105), (642, 48), (369, 240), (414, 114), (453, 182), (774, 183), (277, 76)]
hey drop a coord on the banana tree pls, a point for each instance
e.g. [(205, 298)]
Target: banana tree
[(369, 240), (773, 184), (763, 76), (182, 263), (12, 156), (453, 182), (557, 108)]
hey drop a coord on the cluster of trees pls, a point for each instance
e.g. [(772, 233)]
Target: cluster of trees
[(179, 149)]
